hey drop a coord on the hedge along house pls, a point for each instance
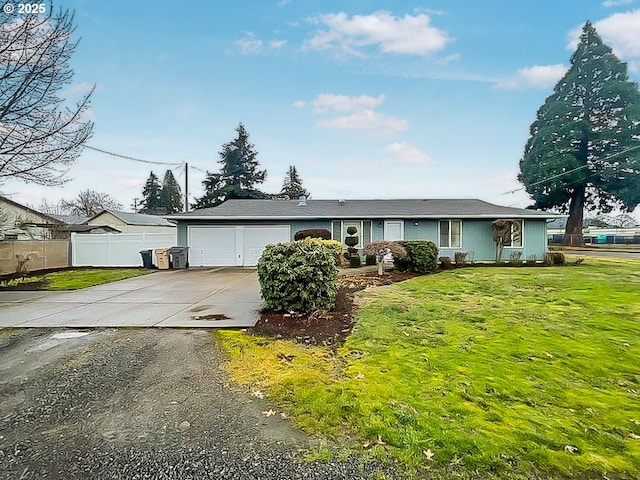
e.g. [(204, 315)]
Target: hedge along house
[(236, 232)]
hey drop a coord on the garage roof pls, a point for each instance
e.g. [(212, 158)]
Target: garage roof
[(336, 209)]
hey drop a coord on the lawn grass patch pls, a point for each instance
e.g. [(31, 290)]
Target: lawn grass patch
[(507, 372), (75, 279), (83, 278)]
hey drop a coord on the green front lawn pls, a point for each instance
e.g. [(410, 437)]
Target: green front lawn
[(76, 279), (506, 372)]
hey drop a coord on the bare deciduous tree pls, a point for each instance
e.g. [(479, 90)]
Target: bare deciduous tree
[(40, 134), (90, 202)]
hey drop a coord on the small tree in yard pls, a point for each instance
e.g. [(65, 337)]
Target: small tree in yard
[(501, 235), (383, 248)]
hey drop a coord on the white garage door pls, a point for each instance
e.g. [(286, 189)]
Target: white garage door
[(257, 238), (209, 246), (233, 245)]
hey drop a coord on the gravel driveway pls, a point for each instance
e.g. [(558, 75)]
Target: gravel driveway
[(141, 404)]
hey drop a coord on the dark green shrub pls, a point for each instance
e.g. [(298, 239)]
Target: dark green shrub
[(299, 276), (555, 258), (370, 259), (355, 261), (322, 233), (422, 256)]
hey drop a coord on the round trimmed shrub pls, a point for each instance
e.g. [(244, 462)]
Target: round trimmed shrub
[(312, 233), (299, 276), (422, 256)]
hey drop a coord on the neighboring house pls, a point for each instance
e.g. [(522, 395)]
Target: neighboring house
[(19, 222), (594, 234), (126, 222), (237, 231)]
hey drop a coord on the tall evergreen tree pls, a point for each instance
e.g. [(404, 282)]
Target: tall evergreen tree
[(238, 175), (170, 195), (151, 196), (292, 185), (584, 147)]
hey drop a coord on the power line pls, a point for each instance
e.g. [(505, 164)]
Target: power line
[(126, 157), (571, 171)]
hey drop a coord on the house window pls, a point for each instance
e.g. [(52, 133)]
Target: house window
[(515, 241), (363, 227), (450, 233)]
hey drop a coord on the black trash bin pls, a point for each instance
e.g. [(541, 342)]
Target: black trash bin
[(147, 258), (179, 256)]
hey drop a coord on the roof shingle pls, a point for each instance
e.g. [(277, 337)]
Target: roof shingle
[(411, 208)]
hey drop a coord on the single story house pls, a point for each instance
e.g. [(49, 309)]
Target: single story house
[(127, 222), (19, 222), (236, 232)]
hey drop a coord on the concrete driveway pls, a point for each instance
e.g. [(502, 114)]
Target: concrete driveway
[(223, 297)]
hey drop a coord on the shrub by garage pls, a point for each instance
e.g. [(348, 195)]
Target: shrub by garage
[(298, 276), (421, 257), (322, 233)]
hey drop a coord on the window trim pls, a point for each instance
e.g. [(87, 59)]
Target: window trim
[(343, 231), (521, 220), (449, 246)]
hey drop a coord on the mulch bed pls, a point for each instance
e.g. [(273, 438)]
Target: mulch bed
[(324, 328)]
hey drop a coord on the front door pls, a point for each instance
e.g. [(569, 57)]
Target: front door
[(393, 230)]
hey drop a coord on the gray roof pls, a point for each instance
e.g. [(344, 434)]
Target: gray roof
[(71, 219), (137, 218), (412, 208)]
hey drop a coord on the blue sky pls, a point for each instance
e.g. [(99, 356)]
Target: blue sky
[(369, 99)]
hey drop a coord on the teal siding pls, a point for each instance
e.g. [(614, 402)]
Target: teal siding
[(425, 230), (477, 238)]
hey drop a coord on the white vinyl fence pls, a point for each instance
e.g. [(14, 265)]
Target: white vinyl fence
[(116, 249)]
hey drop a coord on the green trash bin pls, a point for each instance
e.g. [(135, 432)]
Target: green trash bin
[(180, 257), (147, 258)]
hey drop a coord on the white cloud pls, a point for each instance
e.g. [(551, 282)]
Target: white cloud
[(615, 3), (299, 104), (408, 35), (249, 45), (277, 43), (343, 103), (538, 76), (449, 58), (369, 120), (621, 31), (408, 154)]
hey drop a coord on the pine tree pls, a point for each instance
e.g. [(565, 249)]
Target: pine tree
[(170, 195), (584, 147), (151, 196), (292, 185), (238, 175)]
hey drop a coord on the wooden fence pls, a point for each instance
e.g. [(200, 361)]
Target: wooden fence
[(29, 255)]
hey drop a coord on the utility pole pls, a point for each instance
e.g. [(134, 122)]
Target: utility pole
[(186, 187), (135, 205)]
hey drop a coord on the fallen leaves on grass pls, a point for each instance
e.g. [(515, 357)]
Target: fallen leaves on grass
[(258, 394), (377, 441), (428, 454), (269, 413)]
